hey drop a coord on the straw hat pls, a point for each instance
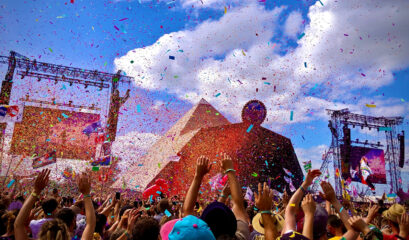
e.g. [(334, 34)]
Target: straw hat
[(394, 212), (258, 222)]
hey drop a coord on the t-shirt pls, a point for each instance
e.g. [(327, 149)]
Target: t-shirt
[(243, 231), (392, 237), (35, 226), (335, 238)]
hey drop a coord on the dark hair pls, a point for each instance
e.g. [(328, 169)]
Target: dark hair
[(8, 218), (67, 215), (49, 206), (334, 221), (55, 190), (101, 220), (117, 233), (123, 209), (80, 204), (163, 205), (146, 228)]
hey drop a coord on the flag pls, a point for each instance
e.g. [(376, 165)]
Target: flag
[(307, 165), (249, 194), (92, 128), (12, 113), (288, 172), (103, 161), (48, 158)]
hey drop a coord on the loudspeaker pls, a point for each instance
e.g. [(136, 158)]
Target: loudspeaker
[(401, 139)]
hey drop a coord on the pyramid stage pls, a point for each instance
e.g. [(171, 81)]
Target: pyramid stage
[(258, 153)]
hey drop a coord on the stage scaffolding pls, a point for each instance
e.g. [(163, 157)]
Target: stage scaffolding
[(343, 119)]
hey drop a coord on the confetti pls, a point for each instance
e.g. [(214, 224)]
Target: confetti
[(10, 183), (242, 51), (370, 105), (302, 35), (386, 129), (254, 174), (95, 169), (363, 75), (250, 127), (50, 49), (217, 95), (64, 115), (291, 115), (123, 19), (167, 213), (116, 27), (292, 205), (172, 57), (321, 2), (225, 10), (138, 108), (305, 64), (267, 83)]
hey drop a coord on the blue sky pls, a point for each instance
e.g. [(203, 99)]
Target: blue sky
[(352, 57)]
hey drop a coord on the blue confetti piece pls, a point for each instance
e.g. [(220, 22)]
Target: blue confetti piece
[(250, 127), (158, 192), (167, 213), (64, 115), (305, 64), (10, 183), (302, 35), (266, 163), (321, 2), (138, 108), (217, 94), (48, 140), (267, 83), (59, 119), (172, 57), (386, 129), (291, 115)]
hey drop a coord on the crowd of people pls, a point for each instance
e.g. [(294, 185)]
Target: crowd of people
[(298, 215)]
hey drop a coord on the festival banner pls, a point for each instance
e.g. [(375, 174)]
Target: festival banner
[(48, 158), (11, 113)]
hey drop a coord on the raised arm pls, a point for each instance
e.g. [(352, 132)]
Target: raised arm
[(292, 207), (329, 195), (308, 206), (236, 194), (203, 166), (264, 200), (40, 183), (84, 186)]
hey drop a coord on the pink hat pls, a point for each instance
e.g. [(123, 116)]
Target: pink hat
[(167, 228)]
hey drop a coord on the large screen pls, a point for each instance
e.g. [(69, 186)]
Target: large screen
[(361, 162), (44, 130)]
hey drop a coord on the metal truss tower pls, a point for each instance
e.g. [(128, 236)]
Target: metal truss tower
[(342, 119)]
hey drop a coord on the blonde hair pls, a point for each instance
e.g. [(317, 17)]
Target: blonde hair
[(54, 229)]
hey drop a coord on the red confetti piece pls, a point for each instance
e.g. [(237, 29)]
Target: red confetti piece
[(116, 27), (363, 75), (72, 1), (346, 35), (123, 19)]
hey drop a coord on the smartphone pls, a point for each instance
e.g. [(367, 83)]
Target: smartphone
[(117, 195)]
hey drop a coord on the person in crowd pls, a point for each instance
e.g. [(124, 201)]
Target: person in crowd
[(224, 214)]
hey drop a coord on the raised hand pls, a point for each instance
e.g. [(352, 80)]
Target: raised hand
[(373, 211), (203, 166), (226, 190), (311, 175), (264, 197), (359, 225), (308, 205), (227, 162), (133, 216), (329, 193), (84, 184), (41, 181), (403, 222)]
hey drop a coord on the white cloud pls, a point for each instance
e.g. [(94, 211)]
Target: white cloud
[(314, 154), (293, 24), (376, 44)]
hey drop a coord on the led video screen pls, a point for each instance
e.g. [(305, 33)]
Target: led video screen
[(366, 163), (44, 130)]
